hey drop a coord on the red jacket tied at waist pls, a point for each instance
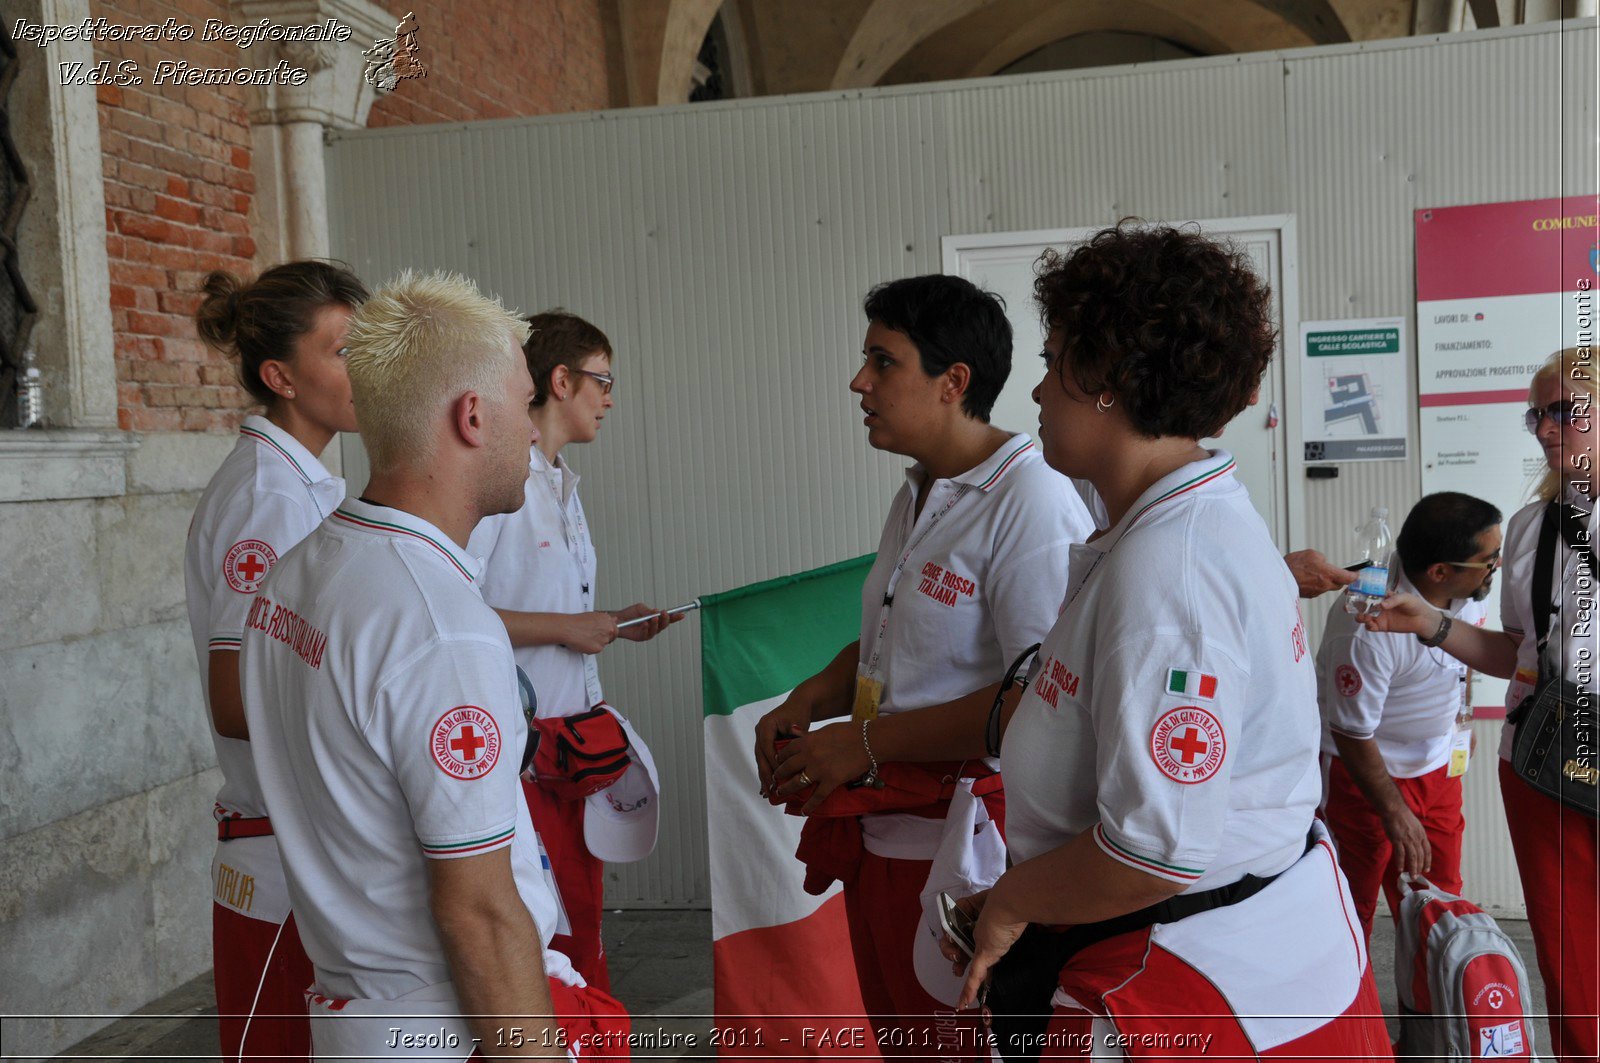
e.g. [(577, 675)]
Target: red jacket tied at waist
[(831, 843)]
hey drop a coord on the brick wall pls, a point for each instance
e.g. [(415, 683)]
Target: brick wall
[(177, 167), (499, 59), (178, 187)]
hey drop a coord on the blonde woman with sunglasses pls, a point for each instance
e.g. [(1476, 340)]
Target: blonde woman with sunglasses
[(1555, 846)]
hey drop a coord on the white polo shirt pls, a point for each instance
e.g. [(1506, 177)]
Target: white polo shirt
[(1173, 709), (1391, 688), (1573, 637), (268, 494), (541, 559), (387, 731), (976, 579)]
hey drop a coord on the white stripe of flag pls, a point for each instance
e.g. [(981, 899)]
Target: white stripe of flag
[(1192, 684)]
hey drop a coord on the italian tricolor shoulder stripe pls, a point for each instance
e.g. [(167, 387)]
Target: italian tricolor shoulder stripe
[(493, 841), (1192, 684), (1185, 487), (262, 437), (221, 643), (1010, 459), (378, 525), (1144, 863)]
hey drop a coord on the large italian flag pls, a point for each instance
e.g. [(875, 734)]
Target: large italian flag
[(781, 957)]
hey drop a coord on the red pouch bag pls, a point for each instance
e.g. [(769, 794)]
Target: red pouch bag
[(580, 755)]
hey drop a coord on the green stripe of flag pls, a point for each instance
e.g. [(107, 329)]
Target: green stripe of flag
[(761, 640)]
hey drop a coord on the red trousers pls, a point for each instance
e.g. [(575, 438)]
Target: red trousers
[(1365, 854), (1555, 849), (261, 974), (579, 879), (884, 909), (595, 1022), (1166, 1008), (1210, 1030)]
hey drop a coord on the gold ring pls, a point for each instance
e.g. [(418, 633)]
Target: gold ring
[(805, 780)]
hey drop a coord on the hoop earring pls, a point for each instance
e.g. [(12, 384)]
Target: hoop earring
[(1102, 405)]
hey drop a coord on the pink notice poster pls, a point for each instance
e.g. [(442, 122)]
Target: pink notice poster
[(1500, 287)]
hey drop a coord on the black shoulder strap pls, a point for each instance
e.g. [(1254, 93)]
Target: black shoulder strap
[(1544, 566)]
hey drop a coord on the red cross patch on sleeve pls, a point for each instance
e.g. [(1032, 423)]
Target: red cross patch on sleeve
[(465, 743), (247, 563), (1347, 680), (1188, 745)]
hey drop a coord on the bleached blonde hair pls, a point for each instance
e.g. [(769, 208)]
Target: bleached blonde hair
[(415, 347), (1576, 369)]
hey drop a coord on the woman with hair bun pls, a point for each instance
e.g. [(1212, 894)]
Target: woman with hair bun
[(286, 329), (1168, 876)]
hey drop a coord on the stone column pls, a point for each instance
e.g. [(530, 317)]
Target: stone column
[(289, 215)]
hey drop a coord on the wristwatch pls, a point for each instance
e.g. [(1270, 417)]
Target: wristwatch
[(1440, 635)]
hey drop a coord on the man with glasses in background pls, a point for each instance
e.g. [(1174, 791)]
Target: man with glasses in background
[(1395, 710)]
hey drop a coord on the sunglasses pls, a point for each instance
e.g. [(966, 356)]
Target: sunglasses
[(605, 380), (1565, 414), (1492, 564)]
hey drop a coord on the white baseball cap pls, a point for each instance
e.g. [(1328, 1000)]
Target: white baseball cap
[(971, 856), (621, 821)]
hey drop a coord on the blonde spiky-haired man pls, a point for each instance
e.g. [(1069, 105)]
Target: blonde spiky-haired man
[(385, 715)]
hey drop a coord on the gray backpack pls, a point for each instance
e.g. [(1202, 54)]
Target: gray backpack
[(1463, 987)]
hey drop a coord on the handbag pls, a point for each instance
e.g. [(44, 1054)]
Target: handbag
[(1555, 745)]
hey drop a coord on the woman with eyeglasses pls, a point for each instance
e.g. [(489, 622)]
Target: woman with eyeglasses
[(1168, 873), (539, 575), (1555, 846), (286, 328)]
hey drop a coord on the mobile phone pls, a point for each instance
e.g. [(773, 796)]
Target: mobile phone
[(957, 923)]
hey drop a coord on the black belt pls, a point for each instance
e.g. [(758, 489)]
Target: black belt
[(1025, 978)]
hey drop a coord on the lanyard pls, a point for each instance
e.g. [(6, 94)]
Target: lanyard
[(899, 570), (576, 534), (1084, 582)]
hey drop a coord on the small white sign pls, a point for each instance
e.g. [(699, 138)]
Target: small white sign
[(1355, 395)]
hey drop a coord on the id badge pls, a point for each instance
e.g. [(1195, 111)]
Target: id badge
[(1460, 749), (869, 692)]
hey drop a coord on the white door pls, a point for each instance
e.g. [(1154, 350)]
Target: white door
[(1003, 263)]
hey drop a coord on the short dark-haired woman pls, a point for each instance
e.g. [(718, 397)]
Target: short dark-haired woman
[(1161, 769), (287, 331), (540, 574), (969, 573)]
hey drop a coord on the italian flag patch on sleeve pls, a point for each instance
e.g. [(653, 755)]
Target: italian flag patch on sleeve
[(1192, 684)]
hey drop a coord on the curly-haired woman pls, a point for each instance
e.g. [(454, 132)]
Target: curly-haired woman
[(1162, 768)]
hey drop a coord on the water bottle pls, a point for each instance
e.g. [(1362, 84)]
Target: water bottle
[(30, 398), (1372, 582)]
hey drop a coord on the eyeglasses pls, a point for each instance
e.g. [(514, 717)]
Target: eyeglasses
[(606, 380), (1492, 564), (1565, 414)]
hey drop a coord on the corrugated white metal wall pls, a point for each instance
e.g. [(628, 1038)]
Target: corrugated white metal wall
[(726, 247)]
